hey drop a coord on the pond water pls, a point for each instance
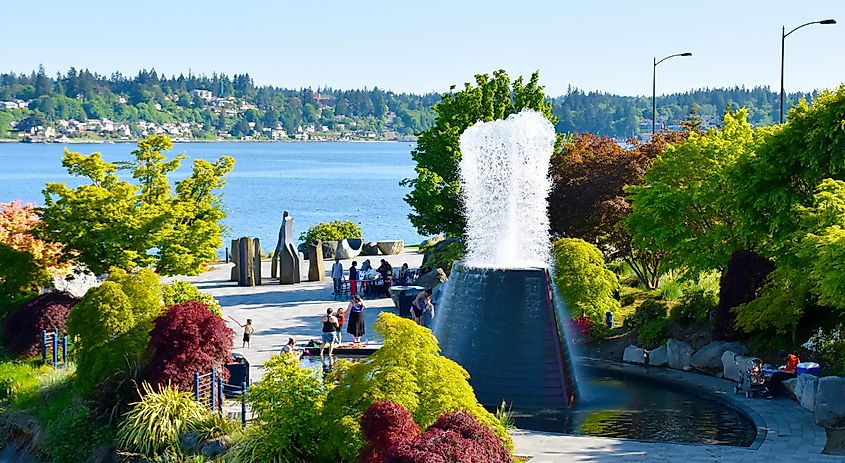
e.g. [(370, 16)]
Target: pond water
[(614, 405)]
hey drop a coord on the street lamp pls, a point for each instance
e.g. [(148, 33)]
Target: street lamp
[(654, 88), (782, 44)]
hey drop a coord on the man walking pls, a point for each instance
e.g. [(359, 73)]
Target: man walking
[(337, 275)]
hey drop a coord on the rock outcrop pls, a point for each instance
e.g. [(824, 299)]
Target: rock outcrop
[(432, 278), (733, 364), (659, 357), (348, 249), (370, 249)]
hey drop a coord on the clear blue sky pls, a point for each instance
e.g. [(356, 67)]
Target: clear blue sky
[(427, 45)]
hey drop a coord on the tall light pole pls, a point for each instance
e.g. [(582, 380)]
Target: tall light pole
[(654, 88), (783, 37)]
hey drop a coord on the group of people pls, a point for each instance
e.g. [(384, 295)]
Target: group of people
[(384, 270), (332, 325)]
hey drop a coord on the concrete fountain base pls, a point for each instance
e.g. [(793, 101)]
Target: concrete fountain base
[(502, 327)]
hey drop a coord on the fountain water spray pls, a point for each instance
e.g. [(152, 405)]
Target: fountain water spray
[(498, 317), (505, 183)]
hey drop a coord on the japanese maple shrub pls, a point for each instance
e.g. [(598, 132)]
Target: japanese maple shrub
[(188, 338), (386, 425), (22, 328)]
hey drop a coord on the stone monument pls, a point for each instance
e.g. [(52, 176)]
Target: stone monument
[(246, 255), (316, 271), (286, 261)]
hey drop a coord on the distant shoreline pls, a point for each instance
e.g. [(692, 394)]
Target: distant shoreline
[(177, 141)]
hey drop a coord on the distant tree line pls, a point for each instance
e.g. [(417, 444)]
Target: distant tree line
[(148, 96)]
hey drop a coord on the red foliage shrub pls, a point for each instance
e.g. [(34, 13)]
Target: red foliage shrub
[(22, 329), (581, 330), (188, 338), (393, 437), (386, 425)]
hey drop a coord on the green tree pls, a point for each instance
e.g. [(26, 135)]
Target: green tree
[(435, 192), (685, 206), (583, 280), (111, 222)]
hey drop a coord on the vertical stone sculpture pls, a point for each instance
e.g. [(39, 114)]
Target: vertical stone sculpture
[(316, 271), (286, 261), (246, 254), (234, 254)]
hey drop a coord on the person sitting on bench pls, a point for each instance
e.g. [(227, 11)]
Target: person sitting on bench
[(785, 372)]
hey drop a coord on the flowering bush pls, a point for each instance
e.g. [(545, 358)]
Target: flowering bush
[(584, 330), (22, 329), (186, 339)]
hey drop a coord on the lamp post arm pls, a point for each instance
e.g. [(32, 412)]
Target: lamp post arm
[(670, 56), (799, 27)]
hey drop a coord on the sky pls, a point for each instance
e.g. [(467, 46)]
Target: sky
[(426, 46)]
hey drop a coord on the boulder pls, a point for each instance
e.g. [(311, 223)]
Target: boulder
[(77, 282), (830, 402), (215, 447), (791, 388), (709, 358), (391, 247), (431, 279), (658, 357), (369, 249), (346, 250), (808, 387), (189, 443), (431, 242), (730, 369), (678, 354), (329, 248), (634, 354)]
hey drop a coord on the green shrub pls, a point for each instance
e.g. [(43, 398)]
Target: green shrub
[(111, 325), (181, 291), (695, 306), (653, 333), (443, 254), (288, 402), (331, 231), (583, 280), (20, 278), (17, 377), (74, 435), (153, 425), (648, 310), (215, 425), (671, 289)]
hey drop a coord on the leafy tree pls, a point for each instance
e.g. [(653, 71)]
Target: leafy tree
[(112, 324), (114, 223), (17, 224), (435, 191), (685, 207), (583, 280), (186, 339)]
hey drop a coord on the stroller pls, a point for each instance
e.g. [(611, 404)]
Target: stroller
[(751, 377)]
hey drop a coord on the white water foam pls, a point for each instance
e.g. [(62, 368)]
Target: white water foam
[(504, 177)]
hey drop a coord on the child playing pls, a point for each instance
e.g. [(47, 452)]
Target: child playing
[(341, 317), (248, 330)]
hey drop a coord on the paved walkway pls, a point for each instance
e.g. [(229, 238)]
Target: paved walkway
[(282, 311), (785, 432)]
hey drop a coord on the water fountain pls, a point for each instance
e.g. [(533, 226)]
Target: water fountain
[(498, 317)]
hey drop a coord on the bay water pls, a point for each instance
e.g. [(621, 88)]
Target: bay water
[(314, 181)]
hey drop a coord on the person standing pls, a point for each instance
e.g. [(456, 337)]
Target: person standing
[(248, 330), (341, 317), (337, 276), (329, 322), (386, 272), (355, 323), (353, 279)]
